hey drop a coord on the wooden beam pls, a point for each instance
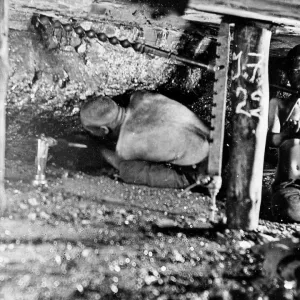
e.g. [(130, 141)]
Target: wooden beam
[(122, 11), (274, 11), (250, 104), (3, 89), (142, 12)]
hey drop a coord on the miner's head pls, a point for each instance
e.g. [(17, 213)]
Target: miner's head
[(99, 116), (293, 66)]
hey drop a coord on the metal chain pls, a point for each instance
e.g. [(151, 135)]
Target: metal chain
[(44, 21)]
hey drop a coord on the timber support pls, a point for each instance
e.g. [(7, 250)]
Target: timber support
[(3, 90), (250, 104), (218, 115)]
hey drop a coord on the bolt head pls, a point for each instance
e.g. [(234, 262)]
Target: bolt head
[(44, 20), (57, 24), (91, 34), (68, 27), (102, 37), (125, 44), (113, 40), (137, 47), (79, 30)]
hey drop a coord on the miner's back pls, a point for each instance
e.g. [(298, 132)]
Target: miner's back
[(159, 129)]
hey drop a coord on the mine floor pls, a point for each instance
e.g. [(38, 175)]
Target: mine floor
[(87, 235)]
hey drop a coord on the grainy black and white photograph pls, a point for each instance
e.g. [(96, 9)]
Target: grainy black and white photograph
[(149, 150)]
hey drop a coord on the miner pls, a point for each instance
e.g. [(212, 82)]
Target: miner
[(159, 142), (284, 133)]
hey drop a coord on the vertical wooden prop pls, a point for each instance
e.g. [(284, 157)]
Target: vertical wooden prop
[(215, 155), (250, 104), (3, 89)]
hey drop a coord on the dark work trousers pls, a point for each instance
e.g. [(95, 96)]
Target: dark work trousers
[(158, 174), (286, 201)]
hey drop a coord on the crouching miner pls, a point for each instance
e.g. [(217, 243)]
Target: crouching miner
[(284, 133), (159, 142)]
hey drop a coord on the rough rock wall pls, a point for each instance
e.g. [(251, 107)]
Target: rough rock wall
[(50, 78), (57, 79)]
